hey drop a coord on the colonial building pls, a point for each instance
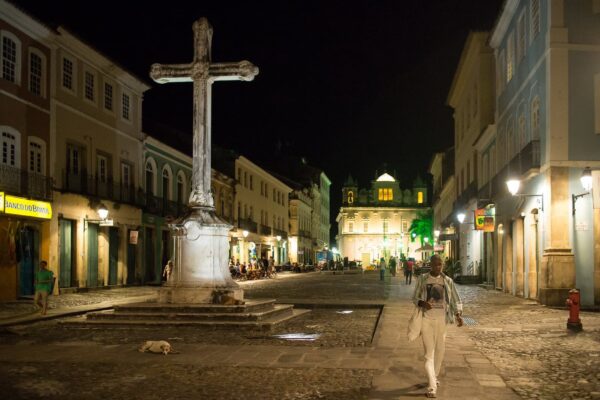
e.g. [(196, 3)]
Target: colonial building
[(96, 164), (167, 174), (444, 195), (472, 99), (25, 138), (375, 222), (548, 124)]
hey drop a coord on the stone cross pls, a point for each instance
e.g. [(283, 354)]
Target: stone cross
[(202, 72)]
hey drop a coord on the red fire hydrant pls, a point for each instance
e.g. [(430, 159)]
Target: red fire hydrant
[(574, 323)]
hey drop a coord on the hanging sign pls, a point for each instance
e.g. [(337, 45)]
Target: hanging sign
[(28, 208), (485, 219), (133, 237)]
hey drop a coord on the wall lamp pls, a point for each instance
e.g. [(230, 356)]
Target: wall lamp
[(460, 217), (586, 182), (514, 184), (103, 214)]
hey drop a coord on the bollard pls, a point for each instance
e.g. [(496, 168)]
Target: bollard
[(574, 323)]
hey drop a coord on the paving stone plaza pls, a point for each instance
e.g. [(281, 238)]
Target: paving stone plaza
[(510, 349)]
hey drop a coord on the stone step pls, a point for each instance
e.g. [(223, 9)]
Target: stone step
[(153, 307), (279, 309), (265, 324)]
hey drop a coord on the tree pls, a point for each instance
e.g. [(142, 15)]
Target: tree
[(422, 226)]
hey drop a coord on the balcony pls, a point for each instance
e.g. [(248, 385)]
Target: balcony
[(526, 161), (469, 193), (23, 183), (264, 230), (279, 232), (304, 233), (247, 225)]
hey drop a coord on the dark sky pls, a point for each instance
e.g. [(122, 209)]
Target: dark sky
[(348, 84)]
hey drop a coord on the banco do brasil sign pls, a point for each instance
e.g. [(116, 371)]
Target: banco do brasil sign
[(14, 205)]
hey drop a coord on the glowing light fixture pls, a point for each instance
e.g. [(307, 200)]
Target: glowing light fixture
[(586, 182), (102, 211), (278, 238), (436, 233), (513, 186), (426, 239), (460, 217), (245, 234)]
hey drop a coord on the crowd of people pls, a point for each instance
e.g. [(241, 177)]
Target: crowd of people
[(257, 268), (410, 267)]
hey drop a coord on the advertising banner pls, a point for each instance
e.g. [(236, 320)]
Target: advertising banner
[(28, 208)]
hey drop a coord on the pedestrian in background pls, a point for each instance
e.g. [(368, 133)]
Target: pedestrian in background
[(393, 266), (436, 294), (408, 272), (381, 269), (44, 282)]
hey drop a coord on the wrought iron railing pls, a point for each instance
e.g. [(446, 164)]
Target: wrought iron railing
[(248, 225), (24, 183)]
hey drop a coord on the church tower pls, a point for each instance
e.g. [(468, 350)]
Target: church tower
[(350, 192), (420, 192)]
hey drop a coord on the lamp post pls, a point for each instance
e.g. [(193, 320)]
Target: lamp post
[(103, 220), (243, 251), (278, 237), (586, 182)]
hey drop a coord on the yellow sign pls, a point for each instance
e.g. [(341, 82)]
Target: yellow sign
[(1, 201), (28, 208)]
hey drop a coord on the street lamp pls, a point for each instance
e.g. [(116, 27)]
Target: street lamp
[(426, 239), (436, 233), (586, 182), (102, 212), (513, 185), (460, 217), (245, 234)]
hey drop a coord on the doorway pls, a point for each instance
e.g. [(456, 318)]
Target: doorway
[(29, 240), (92, 270), (66, 274), (113, 255)]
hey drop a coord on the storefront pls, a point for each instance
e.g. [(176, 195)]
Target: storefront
[(24, 242)]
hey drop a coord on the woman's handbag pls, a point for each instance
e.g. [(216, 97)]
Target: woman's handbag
[(414, 324)]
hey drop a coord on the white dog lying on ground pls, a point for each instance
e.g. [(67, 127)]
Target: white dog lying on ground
[(157, 347)]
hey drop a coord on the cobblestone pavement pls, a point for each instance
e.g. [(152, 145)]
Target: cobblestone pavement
[(514, 349)]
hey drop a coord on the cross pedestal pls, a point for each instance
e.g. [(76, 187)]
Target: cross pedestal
[(202, 247)]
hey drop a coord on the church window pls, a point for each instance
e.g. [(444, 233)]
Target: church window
[(385, 194), (350, 197), (420, 197), (535, 118)]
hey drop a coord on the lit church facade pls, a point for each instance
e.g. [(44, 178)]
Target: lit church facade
[(374, 223)]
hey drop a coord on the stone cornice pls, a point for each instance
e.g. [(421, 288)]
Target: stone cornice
[(26, 24), (506, 14)]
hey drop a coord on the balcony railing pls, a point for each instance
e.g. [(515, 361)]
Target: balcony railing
[(247, 225), (304, 233), (279, 232), (90, 185), (470, 192), (264, 230), (23, 183)]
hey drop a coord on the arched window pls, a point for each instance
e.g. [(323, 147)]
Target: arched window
[(36, 162), (535, 118), (37, 72), (350, 197), (166, 183), (10, 142), (419, 197), (11, 57), (181, 187), (151, 176)]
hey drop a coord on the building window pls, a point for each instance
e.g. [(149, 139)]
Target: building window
[(10, 151), (180, 188), (68, 71), (500, 71), (108, 96), (350, 197), (350, 227), (251, 185), (510, 142), (262, 188), (11, 57), (262, 217), (420, 197), (166, 183), (150, 177), (36, 73), (522, 139), (385, 194), (89, 86), (274, 194), (521, 37), (535, 118), (239, 175), (266, 190), (385, 226), (74, 159), (510, 57), (126, 107), (365, 227), (125, 175), (36, 156), (404, 225), (535, 18), (102, 168)]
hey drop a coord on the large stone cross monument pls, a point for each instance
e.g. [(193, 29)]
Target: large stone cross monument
[(201, 253)]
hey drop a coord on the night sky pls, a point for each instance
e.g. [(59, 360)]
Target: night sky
[(349, 85)]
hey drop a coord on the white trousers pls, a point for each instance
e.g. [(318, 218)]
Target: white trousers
[(433, 332)]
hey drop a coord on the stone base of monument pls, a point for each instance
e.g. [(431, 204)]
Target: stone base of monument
[(254, 314), (194, 295)]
